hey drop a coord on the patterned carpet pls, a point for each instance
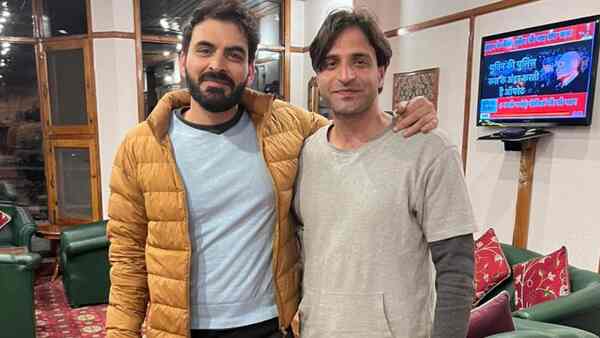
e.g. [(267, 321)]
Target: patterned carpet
[(55, 319)]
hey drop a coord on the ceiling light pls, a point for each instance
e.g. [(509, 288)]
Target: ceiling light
[(401, 31), (1, 27), (164, 23), (6, 14), (168, 79), (166, 53), (5, 4), (3, 20), (62, 31), (5, 44), (179, 46), (4, 52), (1, 76)]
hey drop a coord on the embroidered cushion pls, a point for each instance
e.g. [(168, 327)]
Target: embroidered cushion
[(541, 279), (491, 266)]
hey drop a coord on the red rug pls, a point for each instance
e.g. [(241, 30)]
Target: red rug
[(56, 319)]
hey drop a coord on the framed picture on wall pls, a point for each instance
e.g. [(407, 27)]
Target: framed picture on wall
[(422, 82)]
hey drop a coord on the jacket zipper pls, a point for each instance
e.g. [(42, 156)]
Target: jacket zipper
[(178, 179), (260, 140)]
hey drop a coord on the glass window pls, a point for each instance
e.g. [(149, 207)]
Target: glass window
[(161, 72), (269, 16), (64, 17), (16, 18), (165, 17), (66, 83), (268, 72), (22, 178), (73, 183)]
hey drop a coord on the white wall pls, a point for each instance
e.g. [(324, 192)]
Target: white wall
[(392, 14), (443, 47), (564, 208), (112, 15), (116, 94), (314, 14)]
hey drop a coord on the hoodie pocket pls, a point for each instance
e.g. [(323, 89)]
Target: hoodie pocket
[(350, 316)]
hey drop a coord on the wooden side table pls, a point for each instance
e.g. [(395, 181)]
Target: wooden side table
[(52, 233), (14, 250)]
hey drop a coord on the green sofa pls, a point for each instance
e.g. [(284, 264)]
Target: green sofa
[(580, 309), (20, 230), (84, 262), (532, 329), (17, 295)]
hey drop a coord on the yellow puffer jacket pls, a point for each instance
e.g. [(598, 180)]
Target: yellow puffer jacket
[(148, 228)]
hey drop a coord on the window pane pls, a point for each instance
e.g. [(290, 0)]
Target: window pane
[(161, 72), (22, 178), (165, 17), (64, 17), (16, 18), (66, 82), (268, 14), (73, 185), (168, 17), (268, 72)]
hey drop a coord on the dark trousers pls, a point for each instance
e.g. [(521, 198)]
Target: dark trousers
[(266, 329)]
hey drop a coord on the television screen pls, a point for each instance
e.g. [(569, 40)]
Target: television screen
[(539, 76)]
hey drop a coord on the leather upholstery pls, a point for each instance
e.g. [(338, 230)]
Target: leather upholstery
[(17, 295), (20, 229), (84, 262)]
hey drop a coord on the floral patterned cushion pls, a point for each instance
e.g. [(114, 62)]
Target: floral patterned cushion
[(491, 266), (541, 279), (4, 219)]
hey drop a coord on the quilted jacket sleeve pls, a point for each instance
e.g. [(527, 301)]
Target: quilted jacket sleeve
[(311, 122), (127, 229)]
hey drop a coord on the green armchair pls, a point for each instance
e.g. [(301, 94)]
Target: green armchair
[(17, 294), (21, 228), (84, 262), (580, 309)]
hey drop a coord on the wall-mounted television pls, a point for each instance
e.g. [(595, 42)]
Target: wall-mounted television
[(539, 76)]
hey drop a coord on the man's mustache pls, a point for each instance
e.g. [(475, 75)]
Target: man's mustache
[(217, 77)]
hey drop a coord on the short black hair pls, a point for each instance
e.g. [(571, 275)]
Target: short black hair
[(225, 10), (339, 20)]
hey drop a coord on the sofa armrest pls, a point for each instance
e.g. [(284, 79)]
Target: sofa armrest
[(85, 245), (28, 261), (84, 231), (581, 301)]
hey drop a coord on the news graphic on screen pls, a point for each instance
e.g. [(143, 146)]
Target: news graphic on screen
[(544, 74)]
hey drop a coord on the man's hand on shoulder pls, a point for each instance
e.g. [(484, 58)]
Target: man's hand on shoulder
[(416, 115)]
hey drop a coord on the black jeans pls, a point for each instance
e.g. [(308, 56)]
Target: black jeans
[(266, 329)]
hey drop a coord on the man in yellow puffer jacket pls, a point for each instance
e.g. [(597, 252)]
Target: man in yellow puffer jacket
[(202, 241)]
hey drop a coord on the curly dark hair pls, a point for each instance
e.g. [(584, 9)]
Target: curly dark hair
[(224, 10)]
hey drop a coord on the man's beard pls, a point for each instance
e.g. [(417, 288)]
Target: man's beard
[(214, 99)]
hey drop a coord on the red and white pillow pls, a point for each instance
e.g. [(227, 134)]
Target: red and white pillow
[(541, 279), (4, 219), (491, 266)]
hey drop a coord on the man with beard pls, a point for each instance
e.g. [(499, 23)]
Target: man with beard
[(202, 241), (379, 210)]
